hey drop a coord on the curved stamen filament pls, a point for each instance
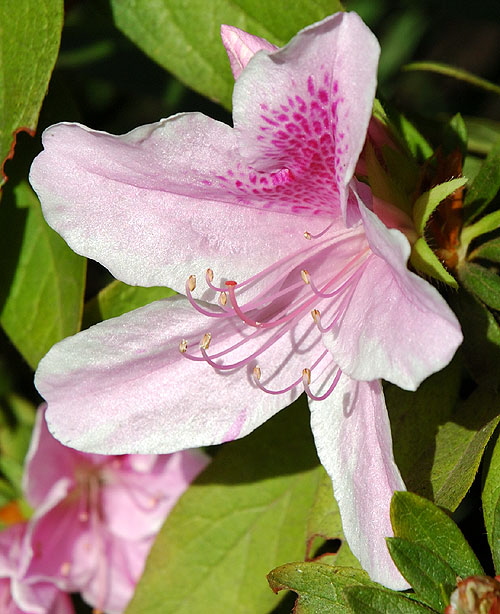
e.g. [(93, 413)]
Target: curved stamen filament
[(309, 236), (256, 379), (306, 380), (257, 376), (190, 286), (211, 359)]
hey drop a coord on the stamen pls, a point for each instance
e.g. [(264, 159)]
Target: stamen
[(256, 379), (183, 346), (316, 316), (310, 236), (223, 299), (205, 341), (305, 276), (306, 380), (190, 286), (257, 375)]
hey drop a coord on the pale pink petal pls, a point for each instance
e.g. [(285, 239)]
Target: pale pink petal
[(123, 386), (241, 46), (47, 462), (135, 503), (53, 534), (353, 439), (397, 326), (306, 108), (25, 595), (164, 201), (119, 568)]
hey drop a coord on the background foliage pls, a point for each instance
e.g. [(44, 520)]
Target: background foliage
[(127, 62)]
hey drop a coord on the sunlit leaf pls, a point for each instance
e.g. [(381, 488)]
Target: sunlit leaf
[(418, 520), (429, 575), (244, 516), (118, 298), (184, 37), (30, 32), (428, 201), (425, 260), (370, 600), (41, 281), (319, 586)]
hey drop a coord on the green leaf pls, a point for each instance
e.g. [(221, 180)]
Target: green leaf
[(245, 515), (415, 141), (118, 298), (370, 600), (460, 444), (481, 345), (418, 520), (430, 576), (485, 185), (438, 440), (415, 419), (428, 201), (41, 280), (455, 73), (487, 251), (425, 260), (455, 135), (320, 587), (483, 134), (184, 37), (486, 224), (491, 502), (324, 524), (482, 282), (30, 32)]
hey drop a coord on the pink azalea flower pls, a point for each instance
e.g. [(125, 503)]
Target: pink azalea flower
[(259, 210), (96, 516), (25, 596)]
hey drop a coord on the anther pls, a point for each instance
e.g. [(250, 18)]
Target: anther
[(191, 282), (210, 275), (306, 376), (183, 346), (316, 315), (307, 235), (65, 568), (205, 341), (223, 299), (305, 276), (257, 373)]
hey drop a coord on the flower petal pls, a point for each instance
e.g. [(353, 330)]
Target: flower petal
[(161, 202), (353, 439), (47, 463), (397, 326), (123, 387), (241, 47), (135, 503), (306, 107)]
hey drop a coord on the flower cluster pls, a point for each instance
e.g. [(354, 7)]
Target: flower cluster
[(94, 523), (306, 288)]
